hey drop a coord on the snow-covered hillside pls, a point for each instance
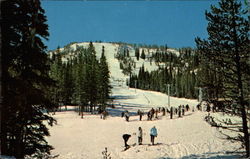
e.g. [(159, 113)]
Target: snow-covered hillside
[(111, 50), (186, 137)]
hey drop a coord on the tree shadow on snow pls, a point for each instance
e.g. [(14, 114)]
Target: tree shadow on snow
[(210, 155), (118, 112), (122, 97)]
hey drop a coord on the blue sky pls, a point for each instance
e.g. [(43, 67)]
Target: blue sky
[(175, 23)]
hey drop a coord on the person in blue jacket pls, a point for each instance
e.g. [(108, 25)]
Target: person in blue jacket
[(153, 134)]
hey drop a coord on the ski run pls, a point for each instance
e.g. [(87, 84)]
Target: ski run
[(189, 136)]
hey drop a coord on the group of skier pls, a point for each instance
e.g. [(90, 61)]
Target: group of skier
[(206, 107), (153, 134), (153, 113), (126, 115)]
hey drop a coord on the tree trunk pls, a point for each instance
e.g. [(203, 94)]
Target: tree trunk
[(3, 134), (79, 110), (245, 130), (240, 88)]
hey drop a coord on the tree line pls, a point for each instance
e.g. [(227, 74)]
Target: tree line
[(178, 71), (82, 80)]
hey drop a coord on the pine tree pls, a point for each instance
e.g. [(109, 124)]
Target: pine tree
[(104, 85), (143, 56), (56, 75), (137, 54), (67, 83), (81, 80), (227, 49), (25, 79), (91, 75)]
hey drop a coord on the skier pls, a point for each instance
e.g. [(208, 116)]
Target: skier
[(104, 114), (152, 113), (140, 136), (183, 110), (153, 134), (140, 113), (187, 107), (171, 113), (179, 111), (156, 113), (163, 111), (148, 114), (176, 110), (126, 114), (125, 138)]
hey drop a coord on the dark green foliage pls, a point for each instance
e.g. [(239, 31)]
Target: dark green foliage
[(25, 79), (84, 80), (225, 60), (143, 56), (56, 69), (179, 72), (137, 54), (104, 87), (127, 64)]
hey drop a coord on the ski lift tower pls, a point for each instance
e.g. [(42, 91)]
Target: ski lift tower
[(168, 88), (200, 95), (135, 85)]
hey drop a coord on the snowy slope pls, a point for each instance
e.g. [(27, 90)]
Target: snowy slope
[(110, 52), (186, 137)]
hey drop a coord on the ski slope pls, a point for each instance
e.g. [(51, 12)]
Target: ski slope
[(111, 50), (186, 137)]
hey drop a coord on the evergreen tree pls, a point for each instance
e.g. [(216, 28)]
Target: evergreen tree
[(91, 75), (104, 85), (56, 74), (81, 80), (67, 84), (143, 56), (25, 79), (227, 49), (137, 54)]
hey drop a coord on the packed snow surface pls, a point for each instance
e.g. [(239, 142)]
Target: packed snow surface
[(186, 137)]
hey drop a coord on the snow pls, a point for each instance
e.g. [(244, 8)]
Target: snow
[(111, 49), (186, 137)]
